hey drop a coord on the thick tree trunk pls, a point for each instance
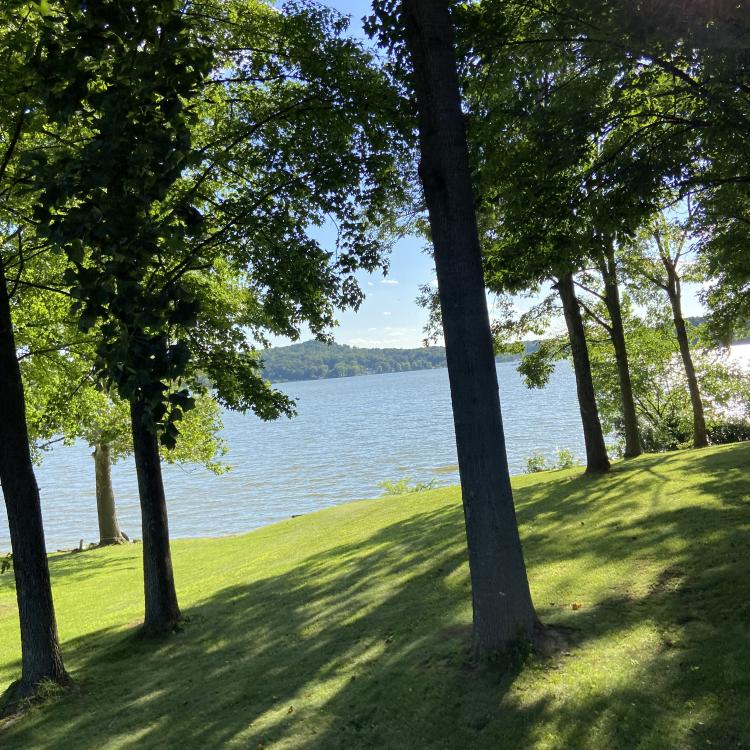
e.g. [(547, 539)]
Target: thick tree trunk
[(109, 527), (503, 611), (700, 438), (40, 650), (617, 334), (162, 612), (597, 461)]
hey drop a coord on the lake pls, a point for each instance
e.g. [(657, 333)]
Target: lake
[(350, 434)]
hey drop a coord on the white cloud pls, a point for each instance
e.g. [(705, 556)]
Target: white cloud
[(390, 282), (406, 338), (369, 283), (386, 314)]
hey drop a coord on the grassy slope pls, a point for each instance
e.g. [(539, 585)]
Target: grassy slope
[(347, 628)]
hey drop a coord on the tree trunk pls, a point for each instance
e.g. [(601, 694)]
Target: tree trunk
[(109, 528), (608, 270), (503, 610), (162, 612), (597, 461), (40, 650), (700, 438)]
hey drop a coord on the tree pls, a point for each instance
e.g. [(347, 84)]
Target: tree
[(65, 402), (123, 89), (41, 658), (657, 257), (613, 324), (502, 606), (597, 460), (598, 133), (660, 390), (187, 169), (544, 214)]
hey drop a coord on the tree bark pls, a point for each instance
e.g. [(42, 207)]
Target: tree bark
[(162, 612), (608, 270), (40, 649), (109, 527), (700, 438), (503, 610), (597, 461)]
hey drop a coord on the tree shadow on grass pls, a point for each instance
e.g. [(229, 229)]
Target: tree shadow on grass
[(365, 645)]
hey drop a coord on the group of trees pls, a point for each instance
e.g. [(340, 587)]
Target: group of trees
[(164, 165), (314, 360), (600, 142), (656, 379)]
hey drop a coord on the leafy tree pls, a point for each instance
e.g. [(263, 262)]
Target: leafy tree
[(658, 257), (547, 207), (40, 651), (66, 402), (660, 387), (604, 111), (422, 31), (189, 170), (119, 74)]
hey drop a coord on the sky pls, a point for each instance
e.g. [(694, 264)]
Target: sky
[(389, 315)]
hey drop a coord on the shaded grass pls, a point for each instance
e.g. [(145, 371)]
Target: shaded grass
[(348, 628)]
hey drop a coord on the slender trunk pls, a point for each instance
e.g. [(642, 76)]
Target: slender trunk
[(109, 527), (597, 461), (503, 610), (40, 650), (608, 270), (700, 438), (162, 612)]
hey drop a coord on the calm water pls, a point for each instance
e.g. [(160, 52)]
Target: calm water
[(350, 434)]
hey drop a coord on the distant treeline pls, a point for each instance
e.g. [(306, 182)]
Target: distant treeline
[(313, 360)]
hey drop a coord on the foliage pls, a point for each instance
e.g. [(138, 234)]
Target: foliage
[(241, 156), (64, 401), (728, 431), (308, 622), (314, 360), (107, 199), (404, 486), (660, 391), (564, 459), (535, 463), (577, 167)]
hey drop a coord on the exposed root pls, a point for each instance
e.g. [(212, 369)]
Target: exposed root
[(20, 698)]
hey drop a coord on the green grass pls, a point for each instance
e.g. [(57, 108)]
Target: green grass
[(348, 628)]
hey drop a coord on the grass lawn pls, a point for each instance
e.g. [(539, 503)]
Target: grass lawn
[(348, 628)]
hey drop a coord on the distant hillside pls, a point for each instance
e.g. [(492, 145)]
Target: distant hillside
[(312, 360)]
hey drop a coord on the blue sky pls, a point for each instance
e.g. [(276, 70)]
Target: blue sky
[(389, 315)]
